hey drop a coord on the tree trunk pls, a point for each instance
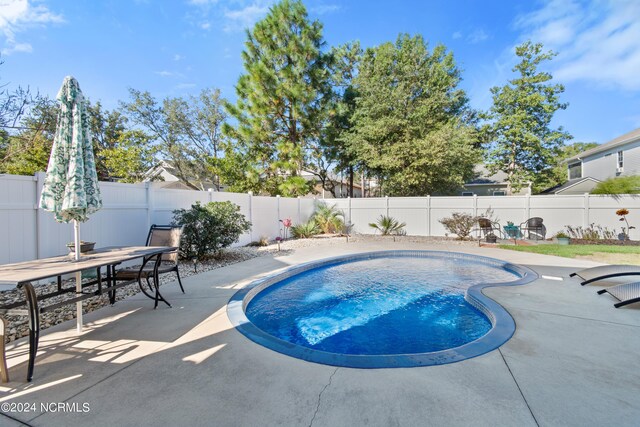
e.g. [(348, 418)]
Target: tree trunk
[(351, 181)]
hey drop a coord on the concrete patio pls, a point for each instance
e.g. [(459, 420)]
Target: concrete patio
[(572, 361)]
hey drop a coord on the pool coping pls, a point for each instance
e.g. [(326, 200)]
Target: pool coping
[(503, 325)]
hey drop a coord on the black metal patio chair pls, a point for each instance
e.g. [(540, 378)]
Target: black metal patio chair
[(159, 235), (486, 227), (533, 227)]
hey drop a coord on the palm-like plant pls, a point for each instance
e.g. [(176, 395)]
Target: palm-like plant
[(388, 225), (305, 230), (328, 218)]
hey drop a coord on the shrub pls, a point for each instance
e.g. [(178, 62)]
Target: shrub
[(209, 228), (592, 232), (620, 185), (387, 225), (262, 241), (328, 218), (561, 235), (305, 230), (460, 224)]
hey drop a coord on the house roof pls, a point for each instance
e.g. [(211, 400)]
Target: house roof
[(484, 177), (572, 182), (632, 136)]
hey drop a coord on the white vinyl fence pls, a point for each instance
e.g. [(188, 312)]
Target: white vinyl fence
[(27, 232), (422, 214)]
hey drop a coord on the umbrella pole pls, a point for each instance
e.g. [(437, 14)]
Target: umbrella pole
[(76, 239)]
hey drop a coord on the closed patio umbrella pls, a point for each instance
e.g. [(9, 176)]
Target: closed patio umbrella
[(70, 188)]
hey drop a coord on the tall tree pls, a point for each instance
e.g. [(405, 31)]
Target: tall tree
[(187, 132), (106, 128), (130, 157), (22, 145), (524, 143), (345, 61), (27, 150), (408, 127), (282, 99)]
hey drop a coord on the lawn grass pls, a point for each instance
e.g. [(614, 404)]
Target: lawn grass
[(571, 251)]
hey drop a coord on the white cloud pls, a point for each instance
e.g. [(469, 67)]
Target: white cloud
[(17, 47), (245, 17), (477, 36), (165, 73), (178, 57), (323, 9), (16, 16), (474, 37), (186, 86), (233, 15), (202, 2), (597, 42)]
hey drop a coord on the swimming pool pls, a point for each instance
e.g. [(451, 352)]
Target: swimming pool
[(381, 309)]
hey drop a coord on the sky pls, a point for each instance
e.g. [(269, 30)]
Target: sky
[(179, 47)]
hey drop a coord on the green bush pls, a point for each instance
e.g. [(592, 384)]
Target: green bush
[(209, 228), (620, 185), (305, 230), (328, 218), (387, 225)]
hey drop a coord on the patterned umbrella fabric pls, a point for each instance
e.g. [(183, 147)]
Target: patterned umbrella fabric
[(71, 189)]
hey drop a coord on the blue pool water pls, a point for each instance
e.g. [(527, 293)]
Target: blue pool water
[(378, 306)]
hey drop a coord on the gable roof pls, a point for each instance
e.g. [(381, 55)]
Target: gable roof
[(632, 136), (484, 177), (571, 183)]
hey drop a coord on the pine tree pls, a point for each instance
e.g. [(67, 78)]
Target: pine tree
[(524, 144), (282, 101)]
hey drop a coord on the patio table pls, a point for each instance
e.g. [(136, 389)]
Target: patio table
[(512, 231), (22, 274)]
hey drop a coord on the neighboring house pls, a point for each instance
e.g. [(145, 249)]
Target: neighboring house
[(573, 186), (341, 186), (163, 175), (487, 184), (618, 157)]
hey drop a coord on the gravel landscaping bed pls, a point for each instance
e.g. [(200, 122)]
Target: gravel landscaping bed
[(18, 325)]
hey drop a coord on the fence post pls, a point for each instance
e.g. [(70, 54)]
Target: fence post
[(299, 211), (475, 205), (527, 207), (150, 203), (278, 215), (585, 214), (387, 203), (39, 183), (429, 215), (210, 191), (349, 210), (250, 194)]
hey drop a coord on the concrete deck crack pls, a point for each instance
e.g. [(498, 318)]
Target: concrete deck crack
[(15, 419), (609, 322), (519, 389), (320, 396)]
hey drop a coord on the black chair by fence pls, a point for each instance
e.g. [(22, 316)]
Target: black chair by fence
[(487, 227), (159, 235), (533, 228)]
